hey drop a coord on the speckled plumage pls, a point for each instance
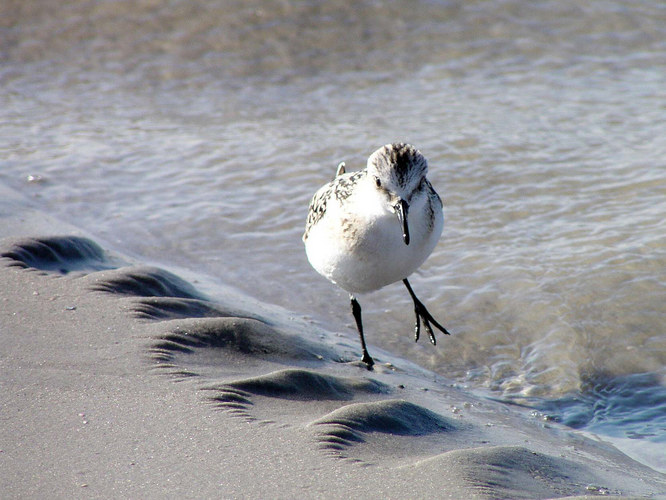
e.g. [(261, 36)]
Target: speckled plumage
[(340, 188)]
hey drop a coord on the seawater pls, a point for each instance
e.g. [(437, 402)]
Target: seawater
[(195, 132)]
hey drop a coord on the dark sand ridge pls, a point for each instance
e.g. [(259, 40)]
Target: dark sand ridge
[(126, 381)]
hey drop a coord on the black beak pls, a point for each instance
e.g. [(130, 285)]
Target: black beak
[(401, 209)]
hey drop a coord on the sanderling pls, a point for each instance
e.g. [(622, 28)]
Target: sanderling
[(352, 236)]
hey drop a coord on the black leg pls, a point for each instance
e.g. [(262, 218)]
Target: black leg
[(423, 314), (356, 311)]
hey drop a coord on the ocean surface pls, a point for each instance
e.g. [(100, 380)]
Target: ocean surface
[(193, 134)]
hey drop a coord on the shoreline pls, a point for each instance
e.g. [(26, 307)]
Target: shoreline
[(121, 379)]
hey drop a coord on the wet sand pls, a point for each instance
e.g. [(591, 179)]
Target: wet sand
[(121, 379)]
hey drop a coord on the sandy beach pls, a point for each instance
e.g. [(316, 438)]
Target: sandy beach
[(124, 380)]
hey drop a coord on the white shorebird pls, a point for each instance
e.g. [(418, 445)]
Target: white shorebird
[(371, 228)]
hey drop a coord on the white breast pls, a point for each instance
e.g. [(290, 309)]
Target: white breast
[(359, 246)]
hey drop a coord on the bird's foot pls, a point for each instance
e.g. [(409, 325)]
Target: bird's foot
[(422, 314), (369, 362)]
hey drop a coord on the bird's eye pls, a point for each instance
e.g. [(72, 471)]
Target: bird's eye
[(378, 182)]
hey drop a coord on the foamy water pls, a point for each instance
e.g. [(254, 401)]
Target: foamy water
[(195, 134)]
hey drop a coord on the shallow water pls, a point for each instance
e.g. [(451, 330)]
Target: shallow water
[(194, 133)]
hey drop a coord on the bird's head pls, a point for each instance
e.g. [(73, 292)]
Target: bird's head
[(397, 171)]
